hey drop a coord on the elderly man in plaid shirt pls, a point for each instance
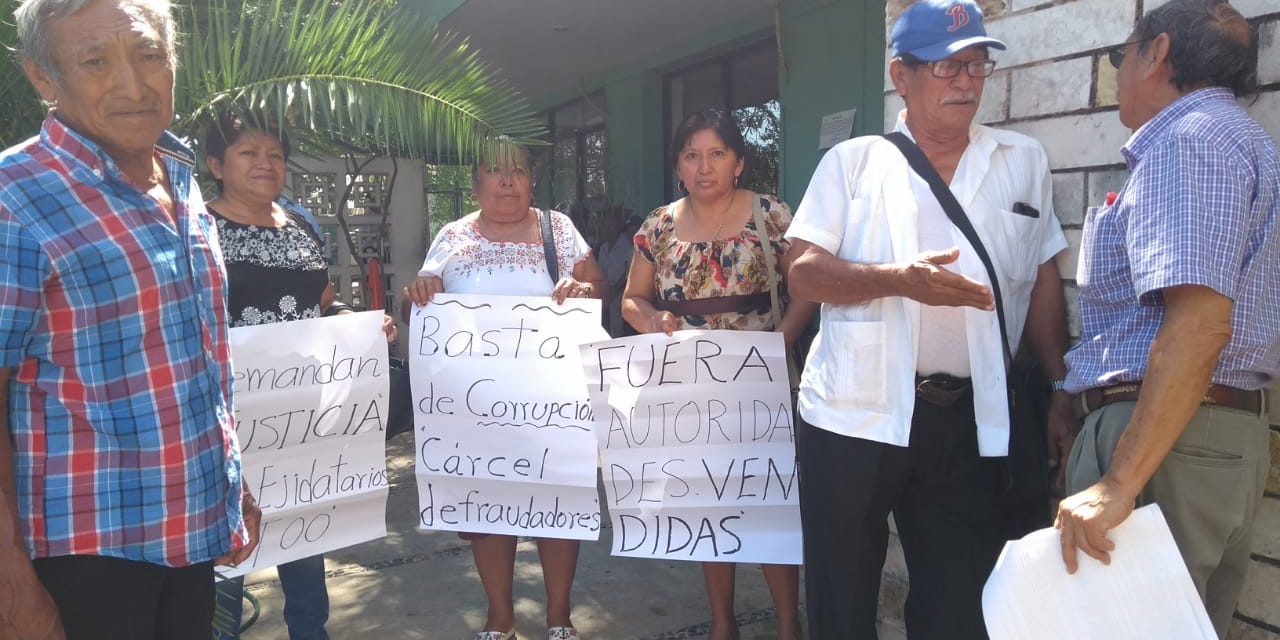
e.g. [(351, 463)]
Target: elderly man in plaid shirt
[(1180, 302), (119, 468)]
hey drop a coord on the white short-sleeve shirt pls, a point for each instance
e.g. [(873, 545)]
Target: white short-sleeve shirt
[(859, 379)]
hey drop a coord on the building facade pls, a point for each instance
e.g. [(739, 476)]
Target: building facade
[(613, 78)]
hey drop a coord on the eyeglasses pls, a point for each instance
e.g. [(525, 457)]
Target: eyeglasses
[(951, 68), (1116, 55)]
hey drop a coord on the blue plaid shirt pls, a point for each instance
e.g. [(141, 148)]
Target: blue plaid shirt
[(1201, 207), (113, 325)]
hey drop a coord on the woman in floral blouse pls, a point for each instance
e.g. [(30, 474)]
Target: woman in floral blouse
[(699, 264)]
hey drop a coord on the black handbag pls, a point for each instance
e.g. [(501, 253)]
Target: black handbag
[(1025, 488), (400, 405)]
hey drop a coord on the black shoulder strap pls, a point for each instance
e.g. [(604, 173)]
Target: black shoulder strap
[(549, 246), (922, 166)]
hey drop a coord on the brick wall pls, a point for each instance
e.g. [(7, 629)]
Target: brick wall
[(1055, 84)]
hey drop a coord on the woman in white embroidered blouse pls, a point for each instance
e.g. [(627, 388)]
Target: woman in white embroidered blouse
[(499, 250)]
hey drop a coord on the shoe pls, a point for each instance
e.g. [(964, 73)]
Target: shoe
[(562, 633), (497, 635)]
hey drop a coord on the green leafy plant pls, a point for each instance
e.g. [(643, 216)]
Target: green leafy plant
[(370, 77), (364, 76)]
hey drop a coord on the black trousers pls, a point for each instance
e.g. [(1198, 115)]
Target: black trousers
[(102, 598), (943, 498)]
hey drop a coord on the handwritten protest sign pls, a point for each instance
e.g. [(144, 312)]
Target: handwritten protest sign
[(502, 421), (698, 445), (310, 403)]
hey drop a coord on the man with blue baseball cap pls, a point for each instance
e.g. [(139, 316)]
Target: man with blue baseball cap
[(904, 399)]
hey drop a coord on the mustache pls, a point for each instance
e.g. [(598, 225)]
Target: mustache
[(135, 108), (965, 98)]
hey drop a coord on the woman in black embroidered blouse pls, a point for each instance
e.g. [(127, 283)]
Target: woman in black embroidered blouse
[(277, 271)]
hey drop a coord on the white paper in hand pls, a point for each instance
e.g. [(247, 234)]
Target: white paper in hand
[(1146, 592)]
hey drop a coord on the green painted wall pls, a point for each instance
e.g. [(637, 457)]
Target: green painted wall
[(633, 115), (835, 53)]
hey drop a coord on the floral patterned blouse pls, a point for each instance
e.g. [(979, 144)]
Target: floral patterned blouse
[(723, 267)]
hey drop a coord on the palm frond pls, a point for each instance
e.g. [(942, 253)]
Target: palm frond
[(363, 75), (347, 75)]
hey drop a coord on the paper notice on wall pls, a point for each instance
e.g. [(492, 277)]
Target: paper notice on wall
[(1145, 593), (503, 425), (836, 128), (697, 445), (311, 404)]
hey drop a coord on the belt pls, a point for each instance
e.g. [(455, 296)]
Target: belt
[(1215, 396), (721, 304), (942, 390)]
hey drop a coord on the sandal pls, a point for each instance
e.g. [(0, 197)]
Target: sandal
[(496, 635), (562, 633)]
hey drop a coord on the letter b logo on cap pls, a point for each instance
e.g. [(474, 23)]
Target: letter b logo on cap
[(959, 18)]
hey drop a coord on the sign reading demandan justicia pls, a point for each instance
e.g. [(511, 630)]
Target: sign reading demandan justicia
[(503, 425), (698, 445), (311, 403)]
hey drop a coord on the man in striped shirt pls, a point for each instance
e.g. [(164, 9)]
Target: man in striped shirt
[(1180, 305), (119, 469)]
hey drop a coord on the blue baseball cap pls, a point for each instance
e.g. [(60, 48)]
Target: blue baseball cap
[(934, 30)]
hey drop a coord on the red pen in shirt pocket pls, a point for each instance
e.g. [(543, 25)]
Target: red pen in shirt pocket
[(1111, 198)]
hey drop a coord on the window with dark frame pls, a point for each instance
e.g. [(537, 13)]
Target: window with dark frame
[(571, 174)]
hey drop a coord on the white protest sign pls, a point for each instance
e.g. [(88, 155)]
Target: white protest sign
[(698, 445), (1145, 593), (311, 401), (502, 421)]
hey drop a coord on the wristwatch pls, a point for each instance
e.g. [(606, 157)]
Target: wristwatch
[(1058, 385)]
